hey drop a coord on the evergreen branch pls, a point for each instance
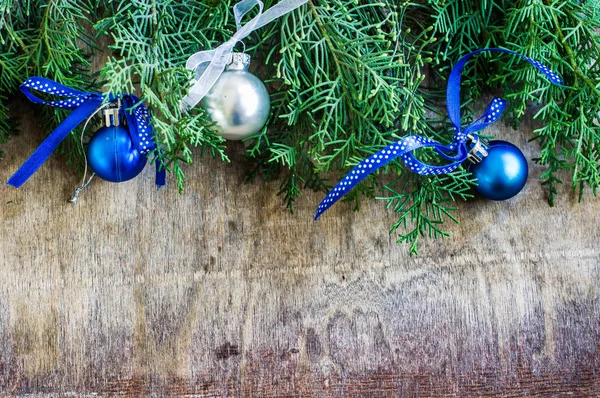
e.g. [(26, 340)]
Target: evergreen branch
[(47, 39), (422, 204), (346, 78), (569, 138), (151, 42)]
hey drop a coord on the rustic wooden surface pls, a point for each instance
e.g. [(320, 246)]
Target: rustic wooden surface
[(221, 292)]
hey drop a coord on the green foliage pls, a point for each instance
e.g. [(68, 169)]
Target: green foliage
[(151, 40), (346, 78), (47, 38), (423, 204), (342, 90), (563, 34)]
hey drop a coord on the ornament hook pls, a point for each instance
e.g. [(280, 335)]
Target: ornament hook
[(243, 45), (81, 187), (104, 108)]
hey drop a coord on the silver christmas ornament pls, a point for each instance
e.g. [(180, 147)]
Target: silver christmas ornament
[(238, 102)]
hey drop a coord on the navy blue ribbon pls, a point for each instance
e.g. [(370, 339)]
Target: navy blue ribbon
[(456, 152), (83, 106)]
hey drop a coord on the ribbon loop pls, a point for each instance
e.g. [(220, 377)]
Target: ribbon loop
[(404, 148), (83, 105), (47, 86), (493, 112), (221, 56), (244, 7)]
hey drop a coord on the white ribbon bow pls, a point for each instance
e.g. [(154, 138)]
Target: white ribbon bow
[(221, 56)]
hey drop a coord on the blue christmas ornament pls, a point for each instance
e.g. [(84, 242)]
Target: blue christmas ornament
[(502, 173), (112, 155), (116, 153), (500, 168)]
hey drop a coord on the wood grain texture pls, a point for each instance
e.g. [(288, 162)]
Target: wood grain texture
[(220, 292)]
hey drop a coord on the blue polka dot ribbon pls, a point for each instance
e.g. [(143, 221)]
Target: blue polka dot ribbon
[(456, 152), (83, 106)]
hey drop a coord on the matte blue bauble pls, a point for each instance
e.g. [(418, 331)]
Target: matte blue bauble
[(502, 173), (112, 156)]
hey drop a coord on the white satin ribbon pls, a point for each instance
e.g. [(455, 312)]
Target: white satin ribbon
[(221, 56)]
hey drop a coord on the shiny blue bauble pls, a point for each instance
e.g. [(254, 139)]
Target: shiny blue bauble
[(112, 155), (502, 173)]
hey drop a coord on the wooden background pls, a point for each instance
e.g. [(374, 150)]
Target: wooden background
[(222, 292)]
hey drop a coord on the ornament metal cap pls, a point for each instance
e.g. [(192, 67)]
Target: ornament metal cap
[(112, 114), (479, 148), (239, 61)]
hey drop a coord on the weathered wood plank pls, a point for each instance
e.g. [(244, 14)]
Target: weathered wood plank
[(221, 292)]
